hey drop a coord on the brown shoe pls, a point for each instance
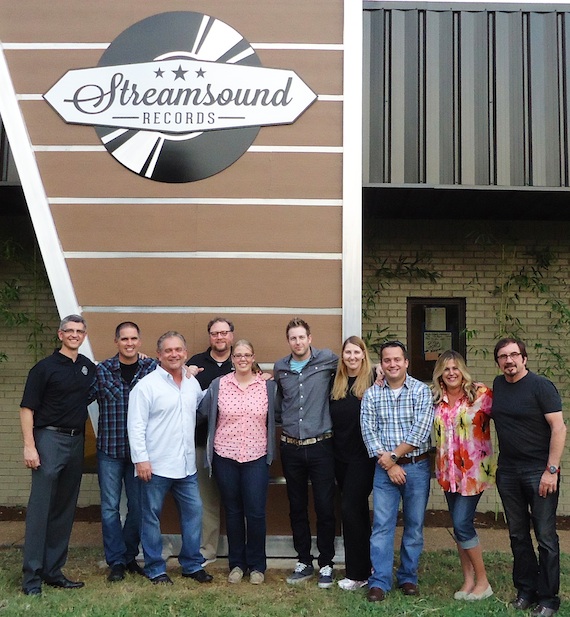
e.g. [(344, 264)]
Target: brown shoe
[(375, 594), (409, 589)]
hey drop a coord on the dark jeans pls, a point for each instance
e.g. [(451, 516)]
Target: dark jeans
[(243, 489), (120, 541), (534, 579), (462, 509), (355, 482), (314, 463)]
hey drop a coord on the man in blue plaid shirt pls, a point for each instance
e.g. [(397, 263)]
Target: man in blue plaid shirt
[(396, 420), (116, 377)]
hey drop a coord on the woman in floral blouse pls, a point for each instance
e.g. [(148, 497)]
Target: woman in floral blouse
[(465, 465)]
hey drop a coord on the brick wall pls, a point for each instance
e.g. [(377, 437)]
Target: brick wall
[(473, 258), (14, 477)]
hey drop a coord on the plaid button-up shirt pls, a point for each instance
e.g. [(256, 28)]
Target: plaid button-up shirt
[(113, 398), (386, 420)]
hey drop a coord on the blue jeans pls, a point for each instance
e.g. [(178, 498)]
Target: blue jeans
[(315, 463), (121, 542), (414, 495), (243, 489), (187, 498), (534, 580), (462, 509)]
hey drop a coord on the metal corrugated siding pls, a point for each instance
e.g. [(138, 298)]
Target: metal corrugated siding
[(474, 97)]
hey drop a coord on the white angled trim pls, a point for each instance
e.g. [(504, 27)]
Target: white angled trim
[(199, 255), (352, 172), (214, 310), (36, 198), (206, 201)]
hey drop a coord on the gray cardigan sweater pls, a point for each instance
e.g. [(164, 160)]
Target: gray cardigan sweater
[(208, 408)]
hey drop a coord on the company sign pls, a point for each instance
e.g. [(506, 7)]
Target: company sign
[(179, 97)]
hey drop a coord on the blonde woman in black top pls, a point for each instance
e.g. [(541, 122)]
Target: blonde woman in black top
[(354, 470)]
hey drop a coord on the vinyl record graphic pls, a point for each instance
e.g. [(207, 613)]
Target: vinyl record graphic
[(181, 157)]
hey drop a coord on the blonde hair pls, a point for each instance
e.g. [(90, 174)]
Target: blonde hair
[(438, 387), (363, 379), (245, 343)]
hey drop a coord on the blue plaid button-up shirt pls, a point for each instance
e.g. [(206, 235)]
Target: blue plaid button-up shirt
[(113, 398), (386, 421)]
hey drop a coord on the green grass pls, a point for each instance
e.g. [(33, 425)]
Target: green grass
[(136, 597)]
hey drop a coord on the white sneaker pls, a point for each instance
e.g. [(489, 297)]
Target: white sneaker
[(349, 585), (235, 575), (326, 576)]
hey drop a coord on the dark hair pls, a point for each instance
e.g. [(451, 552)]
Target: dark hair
[(72, 318), (126, 324), (297, 322), (394, 344), (170, 334), (507, 341), (220, 319)]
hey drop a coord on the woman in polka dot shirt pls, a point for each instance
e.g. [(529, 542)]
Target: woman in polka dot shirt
[(240, 448)]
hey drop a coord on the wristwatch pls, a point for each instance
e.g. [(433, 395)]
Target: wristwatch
[(394, 457), (553, 469)]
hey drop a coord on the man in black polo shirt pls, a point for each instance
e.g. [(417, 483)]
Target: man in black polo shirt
[(214, 362), (53, 415)]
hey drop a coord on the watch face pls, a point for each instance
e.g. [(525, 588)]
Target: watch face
[(553, 469)]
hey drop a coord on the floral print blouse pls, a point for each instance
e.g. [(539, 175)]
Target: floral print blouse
[(465, 462)]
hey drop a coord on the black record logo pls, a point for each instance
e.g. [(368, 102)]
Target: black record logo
[(178, 157)]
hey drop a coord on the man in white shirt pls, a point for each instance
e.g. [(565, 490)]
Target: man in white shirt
[(161, 423)]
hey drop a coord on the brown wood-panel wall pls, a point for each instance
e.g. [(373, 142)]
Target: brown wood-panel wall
[(123, 221)]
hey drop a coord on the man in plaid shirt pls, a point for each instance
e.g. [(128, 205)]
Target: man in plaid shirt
[(396, 420), (115, 379)]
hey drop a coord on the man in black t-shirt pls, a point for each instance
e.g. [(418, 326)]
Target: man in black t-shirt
[(531, 432), (53, 415), (214, 362)]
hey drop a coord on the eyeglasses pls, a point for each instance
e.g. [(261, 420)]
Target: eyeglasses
[(506, 356), (220, 333), (72, 331), (239, 356)]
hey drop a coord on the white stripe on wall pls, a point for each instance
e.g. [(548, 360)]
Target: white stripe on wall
[(206, 201), (215, 310), (199, 255), (63, 46)]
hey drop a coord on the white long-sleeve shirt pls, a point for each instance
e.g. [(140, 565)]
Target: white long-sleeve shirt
[(161, 421)]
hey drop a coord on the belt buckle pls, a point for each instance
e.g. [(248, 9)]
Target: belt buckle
[(310, 441)]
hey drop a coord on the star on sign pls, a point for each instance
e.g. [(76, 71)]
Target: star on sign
[(179, 73), (159, 73), (200, 72)]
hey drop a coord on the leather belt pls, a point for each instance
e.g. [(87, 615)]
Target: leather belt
[(66, 431), (406, 460), (306, 442)]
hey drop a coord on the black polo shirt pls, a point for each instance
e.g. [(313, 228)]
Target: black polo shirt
[(58, 391)]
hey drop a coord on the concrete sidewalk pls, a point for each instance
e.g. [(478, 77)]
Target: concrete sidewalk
[(436, 538)]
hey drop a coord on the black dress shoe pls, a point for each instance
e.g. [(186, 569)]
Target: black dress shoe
[(521, 603), (65, 583), (117, 573), (161, 579), (375, 594), (134, 568), (200, 576), (543, 611), (33, 591)]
